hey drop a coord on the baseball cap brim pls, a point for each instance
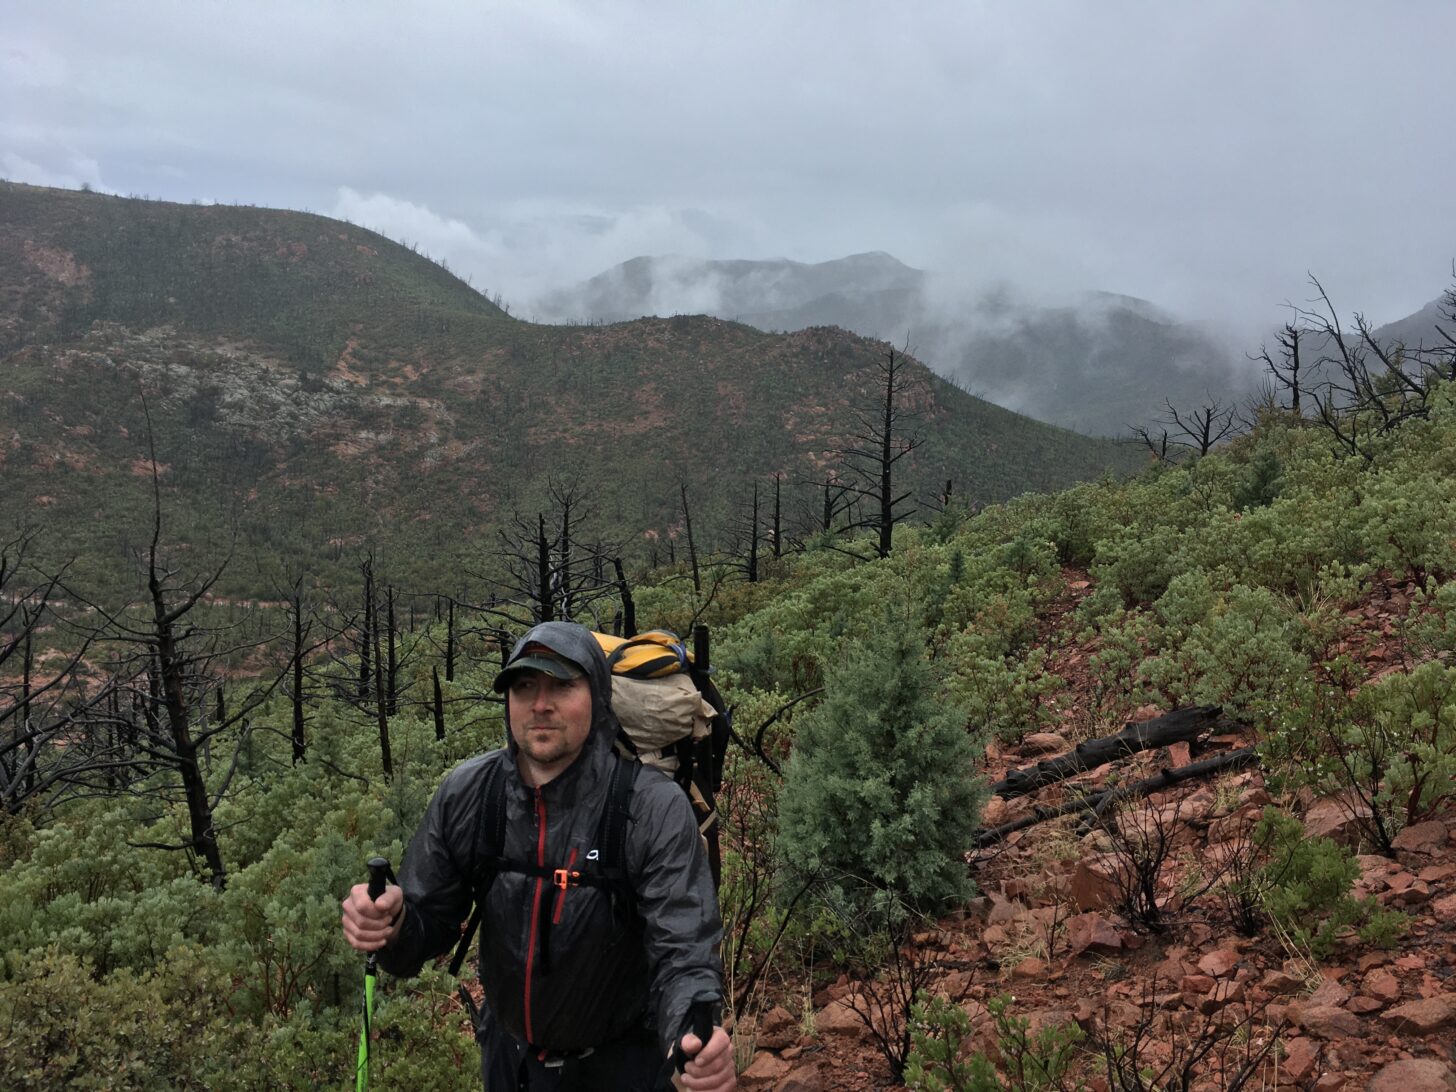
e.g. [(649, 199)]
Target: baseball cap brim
[(537, 659)]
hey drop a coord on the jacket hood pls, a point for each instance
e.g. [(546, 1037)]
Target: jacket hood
[(575, 643)]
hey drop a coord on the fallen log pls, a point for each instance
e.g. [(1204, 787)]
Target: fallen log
[(1097, 802), (1179, 726)]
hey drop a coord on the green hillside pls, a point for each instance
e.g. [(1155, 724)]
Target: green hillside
[(1306, 592), (316, 390)]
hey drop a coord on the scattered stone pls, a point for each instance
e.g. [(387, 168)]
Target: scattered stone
[(1417, 893), (807, 1078), (1301, 1055), (1336, 817), (1425, 837), (1092, 932), (1381, 985), (1424, 1016), (838, 1018), (1436, 873), (1329, 993), (1444, 908), (1414, 1075), (1361, 1005), (764, 1071), (1281, 982), (1003, 909), (1222, 995), (1043, 743), (1219, 963), (1326, 1021), (777, 1029), (1030, 968), (1094, 884)]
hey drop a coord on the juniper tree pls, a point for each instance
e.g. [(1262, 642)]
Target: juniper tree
[(880, 798)]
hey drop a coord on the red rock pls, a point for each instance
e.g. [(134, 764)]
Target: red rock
[(1335, 817), (1003, 909), (839, 1019), (994, 812), (1092, 932), (1196, 983), (1417, 893), (1094, 884), (764, 1071), (1030, 968), (1414, 1075), (1281, 982), (1222, 994), (1444, 908), (1326, 1021), (1424, 1016), (1421, 838), (1361, 1005), (1219, 963), (1331, 1082), (777, 1029), (1381, 985), (1301, 1055), (1329, 993), (807, 1078), (1436, 873), (1041, 743)]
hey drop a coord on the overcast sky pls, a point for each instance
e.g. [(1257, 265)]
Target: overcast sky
[(1205, 155)]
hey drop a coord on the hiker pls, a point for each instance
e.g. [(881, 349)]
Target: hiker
[(588, 983)]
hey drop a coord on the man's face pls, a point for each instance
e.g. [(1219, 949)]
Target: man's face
[(550, 720)]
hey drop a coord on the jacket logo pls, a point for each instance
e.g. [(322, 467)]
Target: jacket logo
[(594, 855)]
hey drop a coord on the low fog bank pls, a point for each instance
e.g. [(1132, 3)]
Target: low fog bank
[(1097, 362)]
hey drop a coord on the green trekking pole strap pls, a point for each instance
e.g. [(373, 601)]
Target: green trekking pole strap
[(379, 876)]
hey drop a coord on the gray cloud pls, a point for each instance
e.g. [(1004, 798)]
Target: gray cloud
[(1201, 156)]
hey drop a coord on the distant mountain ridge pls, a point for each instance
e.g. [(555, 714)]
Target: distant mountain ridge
[(1096, 364), (317, 390)]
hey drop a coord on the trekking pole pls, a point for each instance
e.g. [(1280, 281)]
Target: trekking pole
[(379, 876)]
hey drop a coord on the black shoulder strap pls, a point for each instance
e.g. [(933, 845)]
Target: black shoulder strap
[(490, 842), (612, 833)]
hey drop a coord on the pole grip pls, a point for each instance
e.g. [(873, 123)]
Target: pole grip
[(378, 877)]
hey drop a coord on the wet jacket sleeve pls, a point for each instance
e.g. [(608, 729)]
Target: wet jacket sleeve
[(678, 904), (434, 875)]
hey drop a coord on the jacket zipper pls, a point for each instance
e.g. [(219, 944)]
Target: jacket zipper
[(561, 894), (535, 906)]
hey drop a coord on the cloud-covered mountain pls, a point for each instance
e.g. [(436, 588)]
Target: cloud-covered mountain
[(1096, 363)]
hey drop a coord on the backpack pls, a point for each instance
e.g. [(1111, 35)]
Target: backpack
[(673, 719)]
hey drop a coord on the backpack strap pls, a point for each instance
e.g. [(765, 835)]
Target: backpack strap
[(607, 871), (485, 854)]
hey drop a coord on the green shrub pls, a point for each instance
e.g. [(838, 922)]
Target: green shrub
[(1033, 1061), (879, 793), (1305, 888)]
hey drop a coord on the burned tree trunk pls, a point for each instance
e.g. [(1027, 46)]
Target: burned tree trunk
[(1179, 726)]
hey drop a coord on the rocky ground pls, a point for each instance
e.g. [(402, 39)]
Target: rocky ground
[(1191, 988)]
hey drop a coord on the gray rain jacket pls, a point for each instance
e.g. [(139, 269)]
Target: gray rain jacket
[(605, 978)]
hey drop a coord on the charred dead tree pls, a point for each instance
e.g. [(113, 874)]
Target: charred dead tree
[(173, 664), (366, 636), (692, 545), (1285, 372), (58, 734), (777, 531), (881, 436), (1180, 726), (746, 535), (1373, 387), (1096, 803), (553, 568)]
